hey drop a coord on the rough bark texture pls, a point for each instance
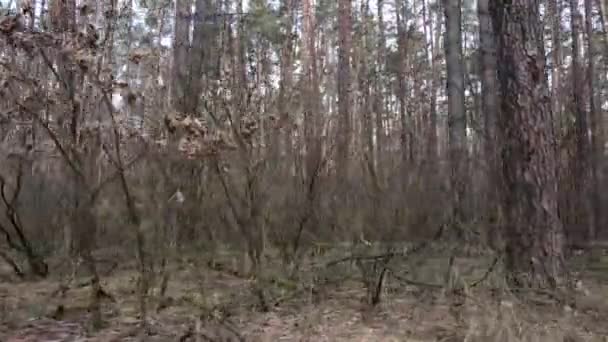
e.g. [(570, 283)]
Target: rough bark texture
[(580, 205), (286, 73), (554, 13), (188, 58), (402, 44), (602, 8), (365, 74), (379, 103), (533, 230), (344, 80), (432, 94), (183, 12), (200, 39), (595, 121), (435, 66), (311, 90), (456, 107), (489, 104)]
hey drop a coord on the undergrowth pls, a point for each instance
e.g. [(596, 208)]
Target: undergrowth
[(337, 295)]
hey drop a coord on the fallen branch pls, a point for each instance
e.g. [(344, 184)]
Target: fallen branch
[(488, 272), (414, 282), (389, 255), (16, 269)]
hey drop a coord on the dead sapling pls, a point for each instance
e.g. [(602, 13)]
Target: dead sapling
[(373, 272)]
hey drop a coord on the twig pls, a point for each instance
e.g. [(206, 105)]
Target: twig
[(62, 149), (364, 258), (49, 64), (13, 265), (405, 254), (309, 206), (414, 282), (488, 272), (378, 289), (112, 177)]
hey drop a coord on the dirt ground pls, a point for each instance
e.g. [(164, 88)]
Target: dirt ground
[(209, 305)]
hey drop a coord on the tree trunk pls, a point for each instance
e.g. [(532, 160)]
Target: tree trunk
[(344, 83), (556, 56), (181, 48), (601, 4), (402, 44), (379, 86), (241, 50), (197, 58), (427, 27), (456, 107), (532, 227), (188, 58), (489, 104), (286, 74), (365, 108), (435, 68), (594, 155), (311, 91), (581, 203)]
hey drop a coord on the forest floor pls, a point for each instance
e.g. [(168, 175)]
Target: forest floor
[(328, 304)]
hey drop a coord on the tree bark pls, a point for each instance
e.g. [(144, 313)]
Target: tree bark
[(532, 227), (435, 71), (364, 80), (311, 91), (595, 151), (581, 212), (556, 56), (489, 104), (432, 92), (285, 74), (456, 107), (181, 48), (603, 9), (200, 39), (379, 86), (402, 45), (344, 83), (188, 58)]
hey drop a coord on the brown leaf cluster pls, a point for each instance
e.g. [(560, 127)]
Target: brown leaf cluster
[(195, 139), (78, 48)]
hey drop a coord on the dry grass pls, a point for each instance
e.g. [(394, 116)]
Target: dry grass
[(224, 303)]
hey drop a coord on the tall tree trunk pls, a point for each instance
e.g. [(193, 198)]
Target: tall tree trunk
[(579, 173), (365, 108), (188, 58), (312, 93), (379, 86), (129, 18), (427, 28), (197, 58), (435, 64), (532, 227), (402, 45), (598, 127), (489, 104), (241, 66), (181, 48), (285, 72), (456, 107), (595, 151), (603, 9), (344, 83), (556, 56)]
